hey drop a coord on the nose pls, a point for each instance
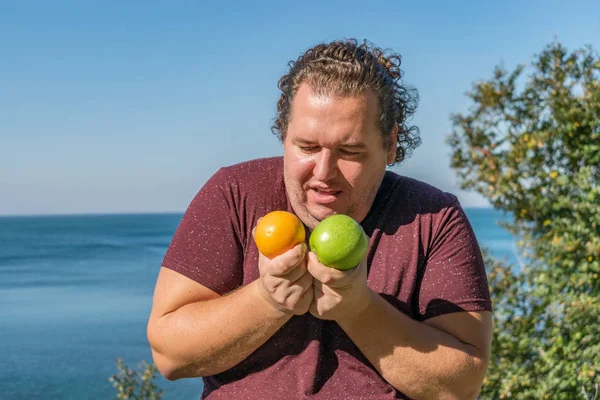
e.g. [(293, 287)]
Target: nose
[(325, 166)]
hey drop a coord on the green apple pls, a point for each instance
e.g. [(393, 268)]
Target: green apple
[(339, 242)]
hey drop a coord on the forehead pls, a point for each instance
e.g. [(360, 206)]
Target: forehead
[(320, 112)]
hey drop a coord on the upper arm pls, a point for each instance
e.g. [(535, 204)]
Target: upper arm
[(174, 290), (474, 329), (453, 278), (208, 245)]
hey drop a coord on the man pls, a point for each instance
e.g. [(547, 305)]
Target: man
[(411, 321)]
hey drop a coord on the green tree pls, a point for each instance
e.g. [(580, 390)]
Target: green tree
[(136, 384), (530, 144)]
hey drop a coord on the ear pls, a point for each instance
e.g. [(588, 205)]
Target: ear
[(392, 143)]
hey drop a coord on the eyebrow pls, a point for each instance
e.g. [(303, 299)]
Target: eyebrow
[(346, 145)]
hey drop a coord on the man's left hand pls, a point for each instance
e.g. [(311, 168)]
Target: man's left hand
[(338, 294)]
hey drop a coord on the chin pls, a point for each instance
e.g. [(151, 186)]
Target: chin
[(321, 212)]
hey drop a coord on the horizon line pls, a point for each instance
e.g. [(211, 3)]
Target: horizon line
[(116, 213)]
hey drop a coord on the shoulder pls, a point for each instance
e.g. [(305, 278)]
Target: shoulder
[(406, 204), (414, 195), (256, 168), (247, 188), (261, 172)]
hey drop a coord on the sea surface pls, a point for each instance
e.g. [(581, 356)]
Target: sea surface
[(76, 293)]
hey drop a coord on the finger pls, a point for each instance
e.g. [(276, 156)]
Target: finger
[(321, 272), (305, 282), (297, 273), (317, 295), (295, 295), (304, 304), (318, 285), (294, 274), (306, 298), (336, 278), (284, 263), (326, 290)]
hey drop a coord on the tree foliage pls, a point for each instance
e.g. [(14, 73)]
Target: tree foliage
[(530, 144)]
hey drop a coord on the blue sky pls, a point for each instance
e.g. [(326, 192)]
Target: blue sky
[(130, 106)]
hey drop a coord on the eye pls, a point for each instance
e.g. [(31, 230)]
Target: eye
[(350, 153), (308, 149)]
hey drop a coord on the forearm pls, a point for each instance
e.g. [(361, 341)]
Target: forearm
[(206, 338), (419, 360)]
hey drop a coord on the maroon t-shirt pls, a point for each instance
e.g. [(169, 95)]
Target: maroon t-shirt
[(423, 258)]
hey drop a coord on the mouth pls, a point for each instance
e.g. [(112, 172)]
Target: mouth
[(324, 195)]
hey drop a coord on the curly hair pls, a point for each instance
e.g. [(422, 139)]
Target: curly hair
[(345, 67)]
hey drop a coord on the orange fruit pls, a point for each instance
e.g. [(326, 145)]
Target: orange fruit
[(277, 232)]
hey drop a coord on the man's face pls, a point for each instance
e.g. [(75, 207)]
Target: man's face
[(334, 155)]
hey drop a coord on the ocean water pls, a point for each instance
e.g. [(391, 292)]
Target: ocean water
[(76, 293)]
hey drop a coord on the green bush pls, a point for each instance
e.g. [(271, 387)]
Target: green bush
[(530, 144), (136, 384)]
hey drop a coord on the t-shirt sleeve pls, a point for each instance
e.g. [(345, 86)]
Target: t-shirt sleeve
[(454, 277), (206, 246)]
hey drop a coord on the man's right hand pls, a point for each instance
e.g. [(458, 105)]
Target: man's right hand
[(285, 282)]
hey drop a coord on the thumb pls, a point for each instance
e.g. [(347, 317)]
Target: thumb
[(254, 229)]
